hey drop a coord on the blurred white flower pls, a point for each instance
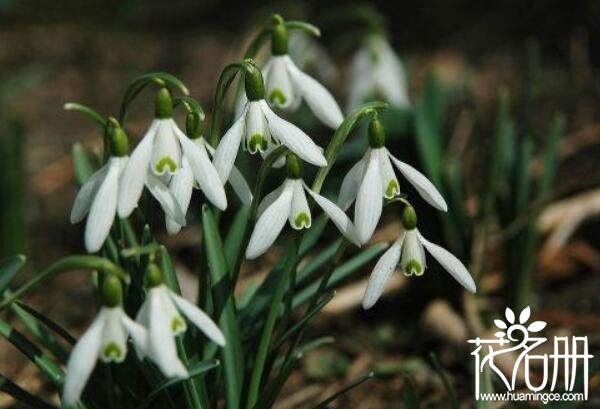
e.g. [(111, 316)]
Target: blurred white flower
[(377, 70), (98, 196), (257, 128), (105, 339), (309, 53), (407, 252), (372, 179), (161, 313)]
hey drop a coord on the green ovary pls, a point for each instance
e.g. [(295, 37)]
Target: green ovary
[(302, 220), (177, 325), (413, 267), (276, 96), (164, 162), (257, 143), (112, 352), (392, 189)]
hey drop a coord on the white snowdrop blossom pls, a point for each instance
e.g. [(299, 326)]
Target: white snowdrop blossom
[(106, 340), (162, 315), (306, 51), (161, 155), (288, 202), (377, 70), (407, 253)]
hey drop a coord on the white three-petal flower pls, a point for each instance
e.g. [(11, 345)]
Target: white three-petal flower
[(372, 179), (161, 314), (256, 128), (99, 196), (105, 339), (408, 253), (288, 202)]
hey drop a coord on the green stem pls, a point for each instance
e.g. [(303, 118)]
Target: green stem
[(227, 76)]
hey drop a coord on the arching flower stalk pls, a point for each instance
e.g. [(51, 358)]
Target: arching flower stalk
[(377, 70), (99, 194), (288, 203), (105, 339), (408, 253), (166, 155), (161, 314), (372, 179), (258, 128)]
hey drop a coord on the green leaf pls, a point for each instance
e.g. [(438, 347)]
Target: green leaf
[(49, 323), (21, 395), (410, 393), (9, 268), (312, 236), (451, 394), (81, 164), (325, 403), (196, 370), (235, 236), (224, 301), (170, 276), (557, 131)]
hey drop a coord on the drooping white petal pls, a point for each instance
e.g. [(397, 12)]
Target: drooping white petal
[(389, 73), (82, 361), (229, 146), (300, 217), (294, 138), (337, 216), (161, 344), (134, 175), (381, 273), (413, 256), (138, 333), (369, 200), (166, 154), (87, 192), (279, 87), (176, 321), (258, 136), (425, 188), (199, 319), (351, 182), (104, 208), (114, 337), (450, 263), (270, 223), (204, 172), (269, 199), (389, 183), (240, 186), (361, 78), (181, 186), (318, 99), (167, 201)]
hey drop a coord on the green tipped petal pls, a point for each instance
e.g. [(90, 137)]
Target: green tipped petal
[(112, 352), (302, 220), (257, 143), (413, 267), (276, 96), (392, 189), (166, 162)]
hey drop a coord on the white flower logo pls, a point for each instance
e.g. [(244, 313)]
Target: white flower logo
[(535, 326)]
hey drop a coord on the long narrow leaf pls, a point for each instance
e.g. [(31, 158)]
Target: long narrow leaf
[(8, 270), (21, 395), (324, 404)]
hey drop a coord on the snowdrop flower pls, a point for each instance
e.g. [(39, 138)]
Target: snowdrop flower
[(288, 202), (99, 194), (376, 69), (182, 183), (105, 339), (286, 85), (161, 155), (161, 314), (373, 178), (307, 52), (258, 127), (407, 252)]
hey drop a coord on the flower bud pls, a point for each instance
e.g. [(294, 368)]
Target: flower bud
[(118, 142), (112, 292), (163, 104), (254, 84), (153, 275), (293, 166), (376, 133), (409, 218), (279, 39)]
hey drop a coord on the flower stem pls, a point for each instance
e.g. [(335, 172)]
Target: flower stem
[(225, 79)]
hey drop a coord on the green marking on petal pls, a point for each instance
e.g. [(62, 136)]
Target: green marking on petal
[(302, 220), (112, 352), (177, 325), (276, 96), (257, 143), (413, 267), (392, 189), (166, 161)]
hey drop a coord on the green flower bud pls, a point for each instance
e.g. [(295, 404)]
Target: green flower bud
[(376, 134), (254, 84), (118, 142), (154, 276), (112, 292), (409, 218), (293, 166), (163, 104), (279, 39)]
